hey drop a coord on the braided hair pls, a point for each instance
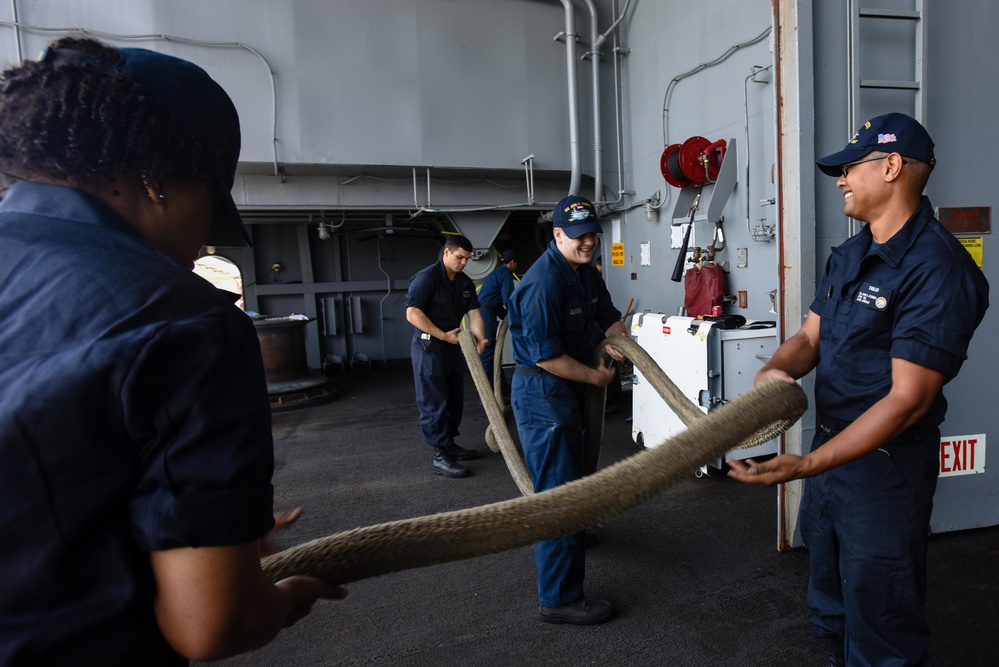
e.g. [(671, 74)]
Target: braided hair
[(72, 122)]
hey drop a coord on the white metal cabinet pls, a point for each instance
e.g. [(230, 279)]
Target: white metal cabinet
[(708, 364)]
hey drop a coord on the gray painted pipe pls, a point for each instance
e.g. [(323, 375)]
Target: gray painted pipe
[(595, 40), (570, 62)]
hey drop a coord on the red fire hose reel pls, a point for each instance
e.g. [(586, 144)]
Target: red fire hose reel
[(694, 162)]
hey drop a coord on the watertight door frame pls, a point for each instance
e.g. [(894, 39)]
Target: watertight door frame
[(796, 211)]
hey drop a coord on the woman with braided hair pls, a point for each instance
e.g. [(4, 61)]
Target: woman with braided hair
[(134, 416)]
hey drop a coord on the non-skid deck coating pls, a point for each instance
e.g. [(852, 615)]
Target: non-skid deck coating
[(694, 573)]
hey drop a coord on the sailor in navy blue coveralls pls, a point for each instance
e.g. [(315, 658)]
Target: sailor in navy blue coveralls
[(918, 297), (893, 320), (439, 296), (493, 298), (560, 312), (135, 430)]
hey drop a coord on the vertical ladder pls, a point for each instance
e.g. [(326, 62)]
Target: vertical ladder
[(856, 14), (856, 84)]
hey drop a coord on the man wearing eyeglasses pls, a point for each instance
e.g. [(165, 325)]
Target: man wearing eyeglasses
[(889, 327)]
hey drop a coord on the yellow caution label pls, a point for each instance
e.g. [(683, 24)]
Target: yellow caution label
[(617, 254), (974, 247)]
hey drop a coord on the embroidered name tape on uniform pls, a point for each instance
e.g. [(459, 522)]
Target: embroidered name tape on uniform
[(874, 296)]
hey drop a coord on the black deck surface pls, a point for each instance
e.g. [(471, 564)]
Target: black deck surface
[(694, 573)]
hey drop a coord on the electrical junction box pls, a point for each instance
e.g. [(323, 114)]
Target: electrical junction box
[(708, 364)]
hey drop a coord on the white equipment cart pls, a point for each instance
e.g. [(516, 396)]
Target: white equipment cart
[(709, 364)]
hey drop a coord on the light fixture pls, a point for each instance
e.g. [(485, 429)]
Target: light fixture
[(651, 212), (324, 231)]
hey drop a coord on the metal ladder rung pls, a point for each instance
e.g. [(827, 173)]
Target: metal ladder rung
[(855, 14), (894, 85), (867, 12)]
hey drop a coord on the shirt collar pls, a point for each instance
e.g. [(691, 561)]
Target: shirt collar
[(573, 277), (62, 202), (893, 250), (564, 266)]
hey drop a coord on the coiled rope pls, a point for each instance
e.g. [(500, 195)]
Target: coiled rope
[(440, 538)]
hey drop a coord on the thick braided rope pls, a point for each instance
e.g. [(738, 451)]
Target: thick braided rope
[(491, 402), (685, 409), (501, 331), (400, 545), (498, 435)]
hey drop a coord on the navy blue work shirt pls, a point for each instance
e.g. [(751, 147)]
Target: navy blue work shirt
[(134, 417), (917, 297), (444, 301), (556, 310), (496, 288)]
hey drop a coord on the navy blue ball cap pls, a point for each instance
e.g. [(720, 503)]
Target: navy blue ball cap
[(508, 256), (576, 216), (198, 103), (890, 133)]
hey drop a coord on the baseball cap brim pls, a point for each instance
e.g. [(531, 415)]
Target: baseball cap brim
[(575, 231), (831, 165), (228, 230)]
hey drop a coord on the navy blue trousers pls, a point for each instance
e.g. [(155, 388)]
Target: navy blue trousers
[(438, 370), (865, 524), (550, 424)]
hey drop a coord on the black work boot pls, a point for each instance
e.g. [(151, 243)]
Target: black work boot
[(583, 611), (445, 465), (458, 453)]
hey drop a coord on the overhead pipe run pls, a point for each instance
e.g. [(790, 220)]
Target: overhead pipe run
[(596, 41), (694, 70), (17, 25), (617, 52), (594, 54), (571, 36), (763, 232)]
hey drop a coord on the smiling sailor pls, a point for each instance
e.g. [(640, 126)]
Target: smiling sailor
[(558, 316), (889, 327)]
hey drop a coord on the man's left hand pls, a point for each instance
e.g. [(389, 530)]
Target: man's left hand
[(777, 470)]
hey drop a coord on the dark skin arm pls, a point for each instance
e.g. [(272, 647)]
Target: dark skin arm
[(912, 393), (241, 610), (214, 602), (796, 357)]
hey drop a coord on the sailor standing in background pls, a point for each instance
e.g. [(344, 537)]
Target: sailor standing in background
[(494, 295), (439, 296)]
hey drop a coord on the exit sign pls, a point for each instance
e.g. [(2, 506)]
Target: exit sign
[(962, 455)]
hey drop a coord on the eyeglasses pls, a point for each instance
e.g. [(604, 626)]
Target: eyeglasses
[(846, 167)]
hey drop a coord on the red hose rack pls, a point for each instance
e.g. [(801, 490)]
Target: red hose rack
[(694, 162)]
